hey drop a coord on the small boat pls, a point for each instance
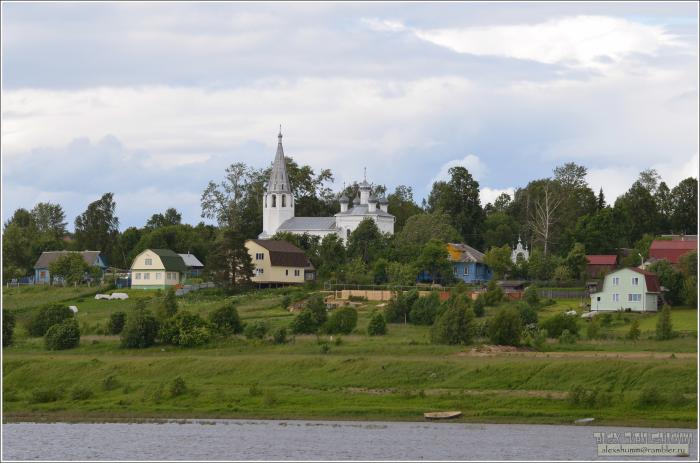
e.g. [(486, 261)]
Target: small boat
[(441, 415)]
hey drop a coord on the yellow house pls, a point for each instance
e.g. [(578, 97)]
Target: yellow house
[(279, 262), (157, 268)]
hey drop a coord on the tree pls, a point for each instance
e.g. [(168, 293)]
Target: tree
[(556, 324), (684, 205), (341, 321), (116, 323), (225, 320), (380, 271), (664, 327), (506, 327), (8, 327), (304, 323), (671, 279), (317, 306), (499, 229), (494, 294), (140, 329), (50, 219), (434, 261), (365, 241), (170, 217), (401, 274), (19, 244), (71, 267), (64, 335), (637, 212), (332, 257), (454, 326), (601, 200), (168, 307), (377, 325), (498, 260), (420, 229), (459, 198), (229, 262), (593, 329), (634, 331), (46, 317), (185, 329), (600, 233), (97, 228), (356, 272), (425, 310), (576, 260), (544, 216), (402, 206), (561, 274), (664, 205), (400, 306)]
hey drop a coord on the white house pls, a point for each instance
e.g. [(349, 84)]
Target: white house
[(278, 208), (157, 269), (628, 288)]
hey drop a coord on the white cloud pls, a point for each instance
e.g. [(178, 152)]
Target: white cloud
[(489, 195), (383, 25), (471, 162)]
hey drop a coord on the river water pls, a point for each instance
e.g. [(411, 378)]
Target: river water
[(306, 440)]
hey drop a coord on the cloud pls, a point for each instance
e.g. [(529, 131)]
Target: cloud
[(471, 162), (489, 195)]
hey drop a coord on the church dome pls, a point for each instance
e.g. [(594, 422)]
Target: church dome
[(383, 200), (344, 199)]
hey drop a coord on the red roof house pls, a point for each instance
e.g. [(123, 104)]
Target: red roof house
[(600, 264), (671, 250)]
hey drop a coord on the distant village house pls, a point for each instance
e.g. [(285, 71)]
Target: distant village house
[(630, 289), (279, 262), (157, 269), (41, 267)]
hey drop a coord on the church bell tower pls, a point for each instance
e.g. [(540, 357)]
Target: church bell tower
[(278, 200)]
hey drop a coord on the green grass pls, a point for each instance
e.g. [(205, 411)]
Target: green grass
[(26, 297), (393, 377)]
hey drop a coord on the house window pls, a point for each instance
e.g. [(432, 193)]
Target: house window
[(635, 281), (634, 297), (42, 274), (146, 276), (259, 256), (616, 297), (466, 270), (137, 276), (260, 271), (454, 270), (274, 200), (616, 281), (149, 261), (157, 275), (286, 271), (296, 273)]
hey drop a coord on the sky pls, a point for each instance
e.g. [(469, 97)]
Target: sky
[(151, 101)]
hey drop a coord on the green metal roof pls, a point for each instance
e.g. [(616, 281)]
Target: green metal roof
[(171, 260)]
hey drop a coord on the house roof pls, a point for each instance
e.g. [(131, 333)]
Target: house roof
[(601, 259), (47, 257), (191, 260), (652, 280), (308, 223), (171, 260), (279, 180), (671, 250), (363, 209), (459, 252), (284, 254)]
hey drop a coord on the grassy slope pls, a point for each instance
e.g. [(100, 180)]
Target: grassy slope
[(362, 378)]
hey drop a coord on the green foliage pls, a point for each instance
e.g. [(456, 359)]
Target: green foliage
[(567, 337), (494, 294), (380, 271), (286, 301), (116, 322), (400, 305), (377, 325), (110, 383), (98, 227), (178, 387), (8, 326), (317, 306), (561, 273), (671, 279), (420, 229), (229, 263), (576, 260), (365, 242), (65, 335), (454, 326), (593, 329), (684, 205), (71, 267), (401, 274), (81, 393), (140, 330), (332, 256), (279, 336), (425, 310), (506, 327), (528, 314), (341, 321), (556, 325), (498, 260), (46, 317), (579, 396), (531, 297), (480, 306), (168, 306), (41, 396), (649, 396), (664, 327), (356, 272), (185, 329), (433, 260), (634, 331), (256, 330), (304, 323), (225, 320)]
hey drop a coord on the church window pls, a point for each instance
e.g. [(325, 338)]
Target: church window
[(284, 200), (274, 200), (265, 200)]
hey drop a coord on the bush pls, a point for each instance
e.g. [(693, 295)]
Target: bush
[(168, 307), (634, 331), (304, 323), (40, 396), (567, 337), (506, 327), (225, 320), (116, 323), (140, 330), (46, 317), (664, 327), (649, 396), (325, 348), (256, 330), (531, 297), (377, 325), (110, 383), (81, 393), (178, 387), (539, 340), (286, 301), (400, 305), (593, 329), (494, 294), (279, 336), (62, 336), (606, 319), (479, 306), (528, 314), (454, 326), (560, 322), (8, 327), (425, 309), (185, 329), (317, 306), (341, 321)]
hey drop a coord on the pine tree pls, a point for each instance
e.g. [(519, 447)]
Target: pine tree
[(664, 327)]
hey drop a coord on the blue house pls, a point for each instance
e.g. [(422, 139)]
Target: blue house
[(41, 268), (468, 263)]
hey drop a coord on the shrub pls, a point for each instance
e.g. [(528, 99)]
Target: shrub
[(506, 327), (225, 320), (567, 337), (479, 306), (606, 319), (178, 387), (664, 328), (286, 301), (377, 325), (46, 317), (494, 294), (531, 297), (116, 323), (40, 396), (279, 336), (8, 327), (317, 306), (168, 307), (325, 348), (400, 305), (256, 330), (65, 335), (649, 396), (539, 340), (528, 314), (304, 323), (560, 322), (342, 321), (110, 383), (634, 331), (81, 393), (593, 329), (140, 329), (185, 329), (454, 326), (425, 310)]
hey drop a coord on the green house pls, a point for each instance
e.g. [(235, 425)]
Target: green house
[(626, 289)]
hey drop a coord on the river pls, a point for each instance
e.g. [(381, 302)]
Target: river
[(304, 440)]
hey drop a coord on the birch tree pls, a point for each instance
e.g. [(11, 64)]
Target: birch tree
[(544, 216)]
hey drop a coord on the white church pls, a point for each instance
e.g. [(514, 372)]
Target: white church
[(278, 208)]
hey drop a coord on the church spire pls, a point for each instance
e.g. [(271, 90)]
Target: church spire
[(279, 181)]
